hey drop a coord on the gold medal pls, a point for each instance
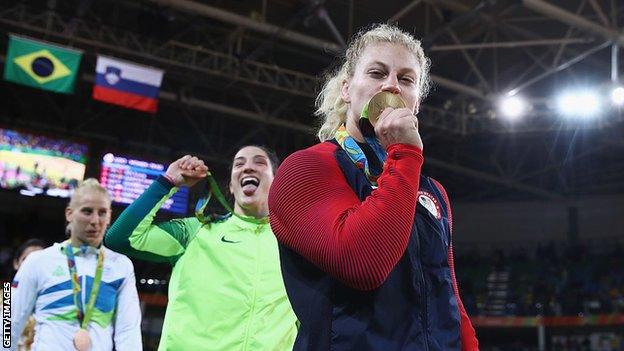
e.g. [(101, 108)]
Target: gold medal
[(82, 340), (380, 101)]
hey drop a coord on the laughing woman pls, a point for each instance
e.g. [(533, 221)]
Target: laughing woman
[(226, 291)]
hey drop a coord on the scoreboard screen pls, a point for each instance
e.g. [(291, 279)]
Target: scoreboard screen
[(126, 179)]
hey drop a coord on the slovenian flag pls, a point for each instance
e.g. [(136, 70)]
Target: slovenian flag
[(127, 84)]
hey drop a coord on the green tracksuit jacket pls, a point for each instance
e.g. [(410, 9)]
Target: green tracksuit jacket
[(226, 290)]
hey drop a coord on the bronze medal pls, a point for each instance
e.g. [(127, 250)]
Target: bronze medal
[(82, 340), (380, 101)]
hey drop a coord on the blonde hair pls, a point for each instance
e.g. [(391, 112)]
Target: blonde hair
[(329, 104), (90, 185)]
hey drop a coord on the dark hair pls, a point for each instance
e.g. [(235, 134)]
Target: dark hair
[(270, 154), (27, 244)]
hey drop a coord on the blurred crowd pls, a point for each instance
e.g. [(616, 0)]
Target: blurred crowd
[(29, 142), (553, 279)]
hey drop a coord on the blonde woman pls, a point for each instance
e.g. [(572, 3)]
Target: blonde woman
[(82, 294), (365, 237)]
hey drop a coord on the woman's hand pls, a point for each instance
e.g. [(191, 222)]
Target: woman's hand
[(186, 171), (396, 126)]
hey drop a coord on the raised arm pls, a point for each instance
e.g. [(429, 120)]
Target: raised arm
[(315, 212), (134, 233)]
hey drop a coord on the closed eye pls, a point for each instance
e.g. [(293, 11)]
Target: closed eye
[(260, 160), (377, 74)]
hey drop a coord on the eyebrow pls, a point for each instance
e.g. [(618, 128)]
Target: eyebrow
[(242, 158), (92, 208)]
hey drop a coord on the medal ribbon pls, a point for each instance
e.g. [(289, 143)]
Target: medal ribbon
[(214, 189), (84, 316), (351, 147)]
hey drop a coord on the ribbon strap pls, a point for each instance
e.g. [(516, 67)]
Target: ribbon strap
[(356, 154), (214, 189), (84, 315)]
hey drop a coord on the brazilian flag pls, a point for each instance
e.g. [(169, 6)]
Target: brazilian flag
[(41, 65)]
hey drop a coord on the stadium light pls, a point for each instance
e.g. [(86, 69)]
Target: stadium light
[(512, 107), (617, 96), (582, 103)]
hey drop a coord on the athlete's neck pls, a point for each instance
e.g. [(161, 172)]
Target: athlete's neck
[(76, 242), (252, 211), (354, 130)]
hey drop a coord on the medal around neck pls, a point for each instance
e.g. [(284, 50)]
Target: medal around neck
[(82, 340)]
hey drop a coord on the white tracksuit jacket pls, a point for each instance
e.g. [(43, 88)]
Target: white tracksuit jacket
[(43, 286)]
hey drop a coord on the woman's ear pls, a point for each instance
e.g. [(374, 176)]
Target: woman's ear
[(69, 214), (344, 91)]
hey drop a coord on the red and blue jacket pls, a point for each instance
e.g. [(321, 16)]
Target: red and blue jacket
[(367, 269)]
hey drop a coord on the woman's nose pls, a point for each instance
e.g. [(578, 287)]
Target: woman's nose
[(94, 218), (391, 85), (249, 167)]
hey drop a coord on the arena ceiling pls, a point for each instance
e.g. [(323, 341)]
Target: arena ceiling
[(242, 72)]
